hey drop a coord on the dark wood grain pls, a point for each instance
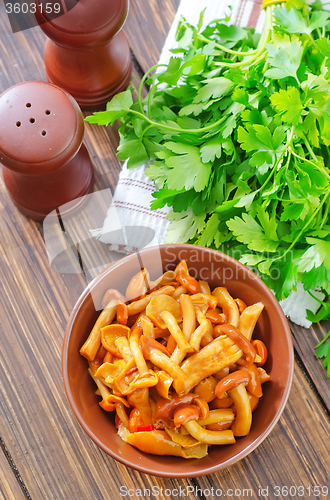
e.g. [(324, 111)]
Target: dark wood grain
[(21, 54), (305, 341), (9, 486), (147, 26), (53, 455)]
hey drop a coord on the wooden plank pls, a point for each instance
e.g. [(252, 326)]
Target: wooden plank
[(36, 421), (305, 341), (147, 28), (138, 485), (21, 54), (10, 488)]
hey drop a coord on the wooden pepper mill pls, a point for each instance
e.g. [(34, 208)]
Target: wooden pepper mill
[(86, 53), (45, 164)]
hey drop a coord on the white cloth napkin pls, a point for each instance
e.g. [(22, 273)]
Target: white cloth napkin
[(132, 197)]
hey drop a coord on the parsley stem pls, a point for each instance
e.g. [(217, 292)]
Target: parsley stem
[(225, 49), (308, 146), (150, 94), (241, 63), (286, 147), (178, 130), (145, 76), (325, 215), (161, 125), (328, 334), (261, 46), (311, 294), (304, 228), (145, 130), (312, 163)]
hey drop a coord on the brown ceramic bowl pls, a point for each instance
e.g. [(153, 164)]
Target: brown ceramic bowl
[(218, 269)]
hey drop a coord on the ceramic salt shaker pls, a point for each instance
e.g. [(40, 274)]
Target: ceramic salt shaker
[(86, 53), (45, 164)]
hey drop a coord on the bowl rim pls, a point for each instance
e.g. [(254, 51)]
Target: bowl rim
[(202, 471)]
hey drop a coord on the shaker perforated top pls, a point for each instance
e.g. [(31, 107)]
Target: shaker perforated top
[(41, 125)]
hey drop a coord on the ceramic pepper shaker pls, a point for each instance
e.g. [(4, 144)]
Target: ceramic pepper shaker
[(86, 53), (45, 164)]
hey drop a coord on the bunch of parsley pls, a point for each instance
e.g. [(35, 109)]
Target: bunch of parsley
[(236, 133)]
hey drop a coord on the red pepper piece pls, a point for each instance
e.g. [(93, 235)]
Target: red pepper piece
[(145, 428)]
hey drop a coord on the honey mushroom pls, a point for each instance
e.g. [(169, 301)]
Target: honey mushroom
[(204, 287), (165, 408), (141, 283), (261, 351), (206, 388), (203, 407), (156, 355), (146, 377), (203, 332), (210, 437), (140, 305), (200, 347), (234, 385), (186, 414), (122, 312), (109, 335), (172, 325), (93, 342), (249, 318), (244, 344), (188, 282), (194, 416), (138, 285), (228, 305)]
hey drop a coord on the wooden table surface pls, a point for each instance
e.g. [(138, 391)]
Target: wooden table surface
[(45, 454)]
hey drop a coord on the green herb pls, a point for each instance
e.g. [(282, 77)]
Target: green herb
[(236, 133), (323, 351), (323, 347)]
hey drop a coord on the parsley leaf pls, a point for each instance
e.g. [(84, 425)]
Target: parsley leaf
[(212, 149), (210, 231), (248, 231), (315, 255), (292, 211), (184, 226), (214, 87), (186, 168), (292, 21), (288, 103), (284, 57), (119, 106), (323, 351), (258, 137), (134, 150)]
